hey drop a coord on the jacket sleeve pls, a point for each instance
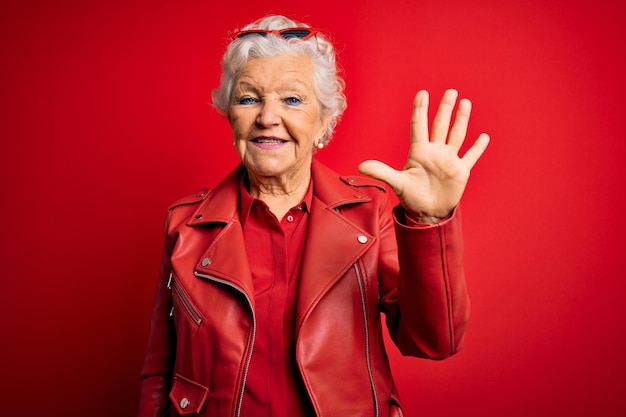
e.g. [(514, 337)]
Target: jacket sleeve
[(427, 306), (160, 351)]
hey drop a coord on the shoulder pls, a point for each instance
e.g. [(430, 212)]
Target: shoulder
[(190, 199), (181, 210), (330, 178), (357, 181), (335, 189), (366, 188)]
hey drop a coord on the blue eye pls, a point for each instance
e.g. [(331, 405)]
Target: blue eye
[(292, 101), (247, 100)]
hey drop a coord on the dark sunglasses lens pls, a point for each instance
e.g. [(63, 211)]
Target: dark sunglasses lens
[(244, 34), (295, 33)]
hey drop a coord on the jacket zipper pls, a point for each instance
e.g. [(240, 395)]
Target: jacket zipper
[(196, 317), (171, 283), (359, 279), (249, 356)]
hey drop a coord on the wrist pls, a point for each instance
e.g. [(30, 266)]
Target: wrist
[(423, 218)]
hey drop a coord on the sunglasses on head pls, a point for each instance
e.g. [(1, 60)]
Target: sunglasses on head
[(289, 33)]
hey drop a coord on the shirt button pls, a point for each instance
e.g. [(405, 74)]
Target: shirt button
[(362, 239), (205, 261), (184, 403), (290, 218)]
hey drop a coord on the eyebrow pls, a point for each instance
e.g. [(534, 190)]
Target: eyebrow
[(296, 87)]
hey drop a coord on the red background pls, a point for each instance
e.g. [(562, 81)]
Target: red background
[(105, 119)]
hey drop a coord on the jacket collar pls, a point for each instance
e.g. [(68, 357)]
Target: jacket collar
[(221, 204)]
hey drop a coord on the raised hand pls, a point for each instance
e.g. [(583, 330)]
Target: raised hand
[(434, 177)]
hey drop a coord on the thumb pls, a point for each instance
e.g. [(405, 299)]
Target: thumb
[(380, 171)]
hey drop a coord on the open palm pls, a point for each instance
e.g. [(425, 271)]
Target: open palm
[(434, 177)]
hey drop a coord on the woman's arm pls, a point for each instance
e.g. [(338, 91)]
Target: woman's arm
[(157, 370), (426, 302), (433, 302)]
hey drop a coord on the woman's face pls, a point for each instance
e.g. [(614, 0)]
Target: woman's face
[(276, 117)]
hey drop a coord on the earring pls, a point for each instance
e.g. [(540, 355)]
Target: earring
[(319, 145)]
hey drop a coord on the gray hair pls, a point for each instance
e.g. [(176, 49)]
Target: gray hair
[(328, 84)]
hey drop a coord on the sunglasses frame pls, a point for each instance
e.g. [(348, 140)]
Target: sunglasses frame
[(240, 34)]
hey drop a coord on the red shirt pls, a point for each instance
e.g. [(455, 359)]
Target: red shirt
[(274, 248)]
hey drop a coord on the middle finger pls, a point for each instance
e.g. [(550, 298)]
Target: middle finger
[(441, 122)]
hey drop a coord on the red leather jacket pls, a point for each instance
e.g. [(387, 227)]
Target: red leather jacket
[(360, 260)]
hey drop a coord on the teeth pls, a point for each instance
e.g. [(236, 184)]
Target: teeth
[(271, 141)]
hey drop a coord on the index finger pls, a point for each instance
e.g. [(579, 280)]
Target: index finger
[(419, 118)]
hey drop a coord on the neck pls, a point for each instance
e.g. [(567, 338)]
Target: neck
[(280, 196)]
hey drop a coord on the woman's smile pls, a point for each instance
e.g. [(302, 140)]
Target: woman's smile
[(269, 143)]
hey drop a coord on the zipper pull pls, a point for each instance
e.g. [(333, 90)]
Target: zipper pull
[(172, 312), (169, 281)]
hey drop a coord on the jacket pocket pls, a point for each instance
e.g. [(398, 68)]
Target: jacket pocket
[(187, 397), (395, 408)]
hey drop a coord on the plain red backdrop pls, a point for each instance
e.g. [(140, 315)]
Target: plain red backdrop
[(105, 119)]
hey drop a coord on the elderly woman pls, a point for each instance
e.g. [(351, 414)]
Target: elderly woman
[(272, 283)]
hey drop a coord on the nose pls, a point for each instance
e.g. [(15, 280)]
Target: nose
[(269, 114)]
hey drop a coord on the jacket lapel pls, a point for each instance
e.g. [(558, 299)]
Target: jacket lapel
[(224, 258), (333, 243)]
